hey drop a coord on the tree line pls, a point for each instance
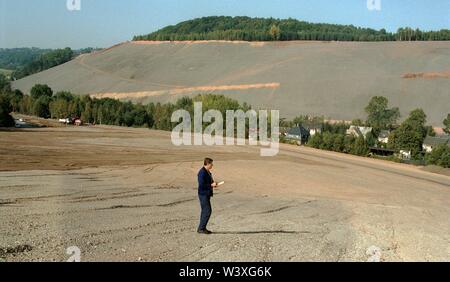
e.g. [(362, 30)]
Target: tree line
[(17, 57), (44, 62), (42, 102), (27, 61), (270, 29)]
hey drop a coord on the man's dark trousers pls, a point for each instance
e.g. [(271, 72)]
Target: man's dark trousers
[(205, 204)]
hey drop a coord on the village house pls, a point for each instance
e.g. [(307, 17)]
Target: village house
[(383, 137), (313, 128), (439, 131), (432, 142), (359, 131)]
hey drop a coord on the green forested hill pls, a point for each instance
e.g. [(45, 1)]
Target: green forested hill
[(44, 61), (21, 62), (262, 29), (16, 57)]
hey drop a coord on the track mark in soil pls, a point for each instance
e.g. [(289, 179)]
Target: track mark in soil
[(92, 179), (97, 198), (40, 198), (125, 207), (168, 187), (150, 169), (15, 250), (7, 202), (138, 227), (176, 203), (171, 204), (275, 210)]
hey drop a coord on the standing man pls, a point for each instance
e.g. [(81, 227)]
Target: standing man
[(206, 185)]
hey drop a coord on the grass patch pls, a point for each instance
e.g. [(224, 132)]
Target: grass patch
[(6, 72)]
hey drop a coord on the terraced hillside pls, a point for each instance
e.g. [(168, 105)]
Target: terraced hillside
[(335, 79)]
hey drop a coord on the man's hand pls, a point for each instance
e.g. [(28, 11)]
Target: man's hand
[(214, 185)]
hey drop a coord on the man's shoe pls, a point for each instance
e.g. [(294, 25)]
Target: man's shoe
[(205, 231)]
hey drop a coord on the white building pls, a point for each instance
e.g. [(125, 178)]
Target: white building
[(383, 137), (432, 142), (358, 131)]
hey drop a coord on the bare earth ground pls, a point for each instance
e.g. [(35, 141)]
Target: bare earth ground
[(130, 195)]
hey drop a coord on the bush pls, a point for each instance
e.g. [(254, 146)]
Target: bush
[(360, 147), (315, 141), (44, 62), (41, 107), (6, 119), (440, 156), (41, 90)]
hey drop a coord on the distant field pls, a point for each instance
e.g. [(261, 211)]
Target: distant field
[(334, 79)]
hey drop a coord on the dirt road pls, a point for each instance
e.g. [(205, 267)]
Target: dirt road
[(130, 195)]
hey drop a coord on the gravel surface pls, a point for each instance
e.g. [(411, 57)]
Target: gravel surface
[(122, 194)]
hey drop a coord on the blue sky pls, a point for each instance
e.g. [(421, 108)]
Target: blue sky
[(102, 23)]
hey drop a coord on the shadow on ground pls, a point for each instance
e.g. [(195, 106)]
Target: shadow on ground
[(260, 232)]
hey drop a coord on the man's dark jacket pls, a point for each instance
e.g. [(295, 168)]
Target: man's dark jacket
[(204, 182)]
